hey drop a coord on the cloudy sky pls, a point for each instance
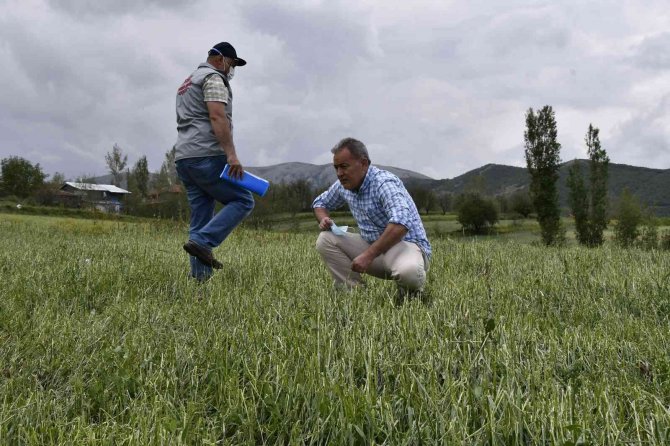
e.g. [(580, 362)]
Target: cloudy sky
[(440, 87)]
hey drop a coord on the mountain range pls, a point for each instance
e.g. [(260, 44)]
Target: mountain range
[(651, 186), (321, 175)]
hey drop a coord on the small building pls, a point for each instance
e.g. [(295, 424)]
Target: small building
[(103, 197), (67, 199)]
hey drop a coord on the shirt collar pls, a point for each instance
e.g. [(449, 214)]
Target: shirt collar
[(367, 180)]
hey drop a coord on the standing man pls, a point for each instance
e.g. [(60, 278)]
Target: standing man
[(204, 146), (392, 243)]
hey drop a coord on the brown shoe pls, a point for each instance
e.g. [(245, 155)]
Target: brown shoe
[(202, 254)]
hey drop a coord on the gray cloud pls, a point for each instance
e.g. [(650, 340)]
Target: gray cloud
[(654, 52), (646, 136), (314, 34), (436, 88), (81, 8)]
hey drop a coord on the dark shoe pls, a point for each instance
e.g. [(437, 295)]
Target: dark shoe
[(202, 254)]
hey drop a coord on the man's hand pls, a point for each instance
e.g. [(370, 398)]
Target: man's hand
[(325, 223), (392, 235), (362, 262), (323, 218), (235, 170)]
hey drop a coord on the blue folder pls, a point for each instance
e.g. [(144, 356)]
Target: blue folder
[(249, 181)]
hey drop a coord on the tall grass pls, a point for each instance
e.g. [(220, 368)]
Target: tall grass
[(103, 339)]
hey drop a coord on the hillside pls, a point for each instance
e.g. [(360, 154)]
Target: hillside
[(319, 175), (652, 186)]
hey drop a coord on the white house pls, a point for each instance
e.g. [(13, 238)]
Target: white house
[(104, 197)]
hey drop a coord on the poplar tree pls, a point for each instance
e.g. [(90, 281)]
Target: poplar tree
[(542, 159), (599, 167), (140, 174), (167, 175), (579, 203), (116, 162), (589, 205)]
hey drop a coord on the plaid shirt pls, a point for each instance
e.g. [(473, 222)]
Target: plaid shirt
[(381, 199), (214, 90)]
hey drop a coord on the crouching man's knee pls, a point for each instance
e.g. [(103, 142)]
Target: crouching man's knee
[(325, 241), (411, 277)]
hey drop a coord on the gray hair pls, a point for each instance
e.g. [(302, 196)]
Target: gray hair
[(356, 148)]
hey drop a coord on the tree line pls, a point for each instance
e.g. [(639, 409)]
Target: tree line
[(588, 200), (160, 195)]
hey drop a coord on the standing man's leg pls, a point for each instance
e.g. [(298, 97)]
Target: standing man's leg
[(202, 210), (238, 203)]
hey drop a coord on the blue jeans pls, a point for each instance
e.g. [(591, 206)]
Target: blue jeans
[(203, 187)]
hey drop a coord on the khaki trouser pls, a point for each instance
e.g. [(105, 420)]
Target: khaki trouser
[(404, 262)]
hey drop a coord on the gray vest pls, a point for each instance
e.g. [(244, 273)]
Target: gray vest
[(195, 136)]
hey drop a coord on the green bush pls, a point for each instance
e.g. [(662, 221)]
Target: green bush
[(521, 203), (476, 213), (649, 236), (628, 218)]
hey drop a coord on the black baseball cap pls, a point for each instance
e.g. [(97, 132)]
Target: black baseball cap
[(226, 49)]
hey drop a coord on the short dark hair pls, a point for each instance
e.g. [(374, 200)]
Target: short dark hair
[(356, 148)]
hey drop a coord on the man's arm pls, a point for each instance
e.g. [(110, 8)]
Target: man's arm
[(330, 199), (395, 200), (221, 127), (323, 217), (392, 235)]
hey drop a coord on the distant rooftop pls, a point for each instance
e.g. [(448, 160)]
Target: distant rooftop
[(99, 187)]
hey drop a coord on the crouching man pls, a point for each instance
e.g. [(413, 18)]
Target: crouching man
[(392, 243)]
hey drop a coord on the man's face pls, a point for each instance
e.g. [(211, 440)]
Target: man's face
[(229, 63), (350, 170), (224, 64)]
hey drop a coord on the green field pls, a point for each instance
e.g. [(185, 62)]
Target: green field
[(104, 340)]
